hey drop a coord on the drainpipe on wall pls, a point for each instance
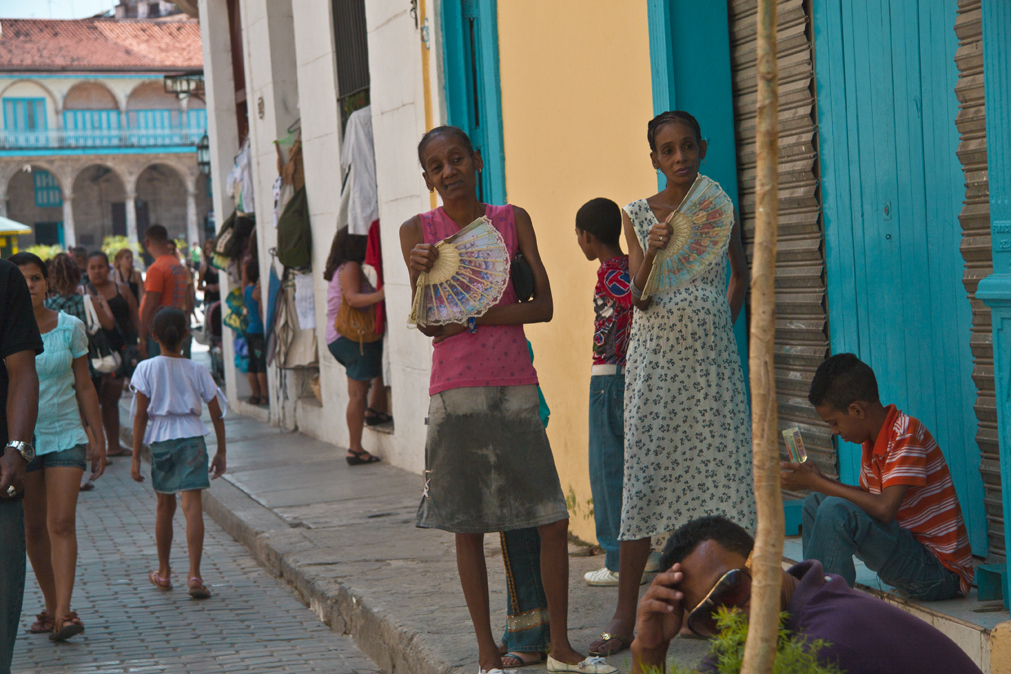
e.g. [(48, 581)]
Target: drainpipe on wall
[(995, 290)]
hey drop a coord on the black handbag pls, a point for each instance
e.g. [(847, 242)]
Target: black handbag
[(522, 277)]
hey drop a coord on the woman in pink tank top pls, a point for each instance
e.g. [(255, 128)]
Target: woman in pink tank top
[(488, 464)]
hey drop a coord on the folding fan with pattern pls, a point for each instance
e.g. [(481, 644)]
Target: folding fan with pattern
[(702, 225), (467, 279)]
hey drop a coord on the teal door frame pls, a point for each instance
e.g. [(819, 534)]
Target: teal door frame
[(995, 290), (689, 53), (919, 201), (471, 81)]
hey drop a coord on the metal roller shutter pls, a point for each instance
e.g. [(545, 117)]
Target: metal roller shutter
[(975, 219), (802, 340)]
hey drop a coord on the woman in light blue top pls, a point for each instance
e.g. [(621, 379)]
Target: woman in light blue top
[(53, 478)]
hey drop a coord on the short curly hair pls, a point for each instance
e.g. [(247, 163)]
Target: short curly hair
[(730, 535), (841, 380)]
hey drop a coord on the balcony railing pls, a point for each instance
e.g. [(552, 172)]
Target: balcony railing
[(100, 138)]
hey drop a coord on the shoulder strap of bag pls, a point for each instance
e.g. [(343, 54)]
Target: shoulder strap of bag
[(90, 316)]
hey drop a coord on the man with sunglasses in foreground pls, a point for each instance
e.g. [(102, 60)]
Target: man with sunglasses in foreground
[(707, 562)]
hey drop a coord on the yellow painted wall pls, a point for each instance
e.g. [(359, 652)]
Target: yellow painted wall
[(576, 97)]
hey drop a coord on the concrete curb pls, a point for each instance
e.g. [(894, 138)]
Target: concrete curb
[(274, 542)]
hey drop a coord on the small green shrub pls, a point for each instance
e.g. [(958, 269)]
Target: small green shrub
[(113, 244), (795, 655), (43, 251)]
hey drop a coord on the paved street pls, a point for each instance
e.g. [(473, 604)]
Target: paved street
[(252, 624)]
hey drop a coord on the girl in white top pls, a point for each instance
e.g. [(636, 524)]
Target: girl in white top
[(169, 391)]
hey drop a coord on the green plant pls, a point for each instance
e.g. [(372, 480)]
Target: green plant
[(794, 653), (113, 244), (43, 251)]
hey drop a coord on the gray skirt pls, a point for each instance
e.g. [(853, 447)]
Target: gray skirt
[(488, 464)]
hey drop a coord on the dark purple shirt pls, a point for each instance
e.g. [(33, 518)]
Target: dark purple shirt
[(863, 634)]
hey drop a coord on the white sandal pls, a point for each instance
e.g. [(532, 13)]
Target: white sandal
[(593, 664)]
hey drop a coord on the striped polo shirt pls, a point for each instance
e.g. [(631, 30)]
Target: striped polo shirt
[(906, 454)]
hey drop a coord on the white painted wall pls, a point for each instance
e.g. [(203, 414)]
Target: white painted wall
[(398, 122)]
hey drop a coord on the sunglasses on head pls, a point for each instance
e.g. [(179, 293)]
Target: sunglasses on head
[(733, 589)]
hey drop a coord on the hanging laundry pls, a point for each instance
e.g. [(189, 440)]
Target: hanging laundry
[(358, 162), (239, 183), (374, 258)]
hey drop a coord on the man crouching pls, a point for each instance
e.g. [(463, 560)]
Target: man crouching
[(707, 566)]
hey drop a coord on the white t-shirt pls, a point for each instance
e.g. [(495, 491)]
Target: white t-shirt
[(177, 388)]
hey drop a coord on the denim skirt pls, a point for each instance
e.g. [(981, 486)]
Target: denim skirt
[(179, 465), (488, 464)]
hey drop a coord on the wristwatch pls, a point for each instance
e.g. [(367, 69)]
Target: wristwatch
[(26, 450)]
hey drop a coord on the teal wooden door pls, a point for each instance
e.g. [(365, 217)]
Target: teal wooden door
[(892, 189), (473, 95)]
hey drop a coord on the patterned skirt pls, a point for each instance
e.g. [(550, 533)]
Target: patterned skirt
[(488, 464)]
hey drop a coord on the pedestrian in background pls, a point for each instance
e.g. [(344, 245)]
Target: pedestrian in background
[(363, 362), (123, 334), (53, 477), (20, 342), (169, 391), (166, 285), (123, 272), (255, 341)]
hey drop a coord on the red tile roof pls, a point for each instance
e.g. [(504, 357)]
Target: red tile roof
[(99, 44)]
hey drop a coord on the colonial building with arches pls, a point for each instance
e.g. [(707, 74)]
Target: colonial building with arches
[(92, 143)]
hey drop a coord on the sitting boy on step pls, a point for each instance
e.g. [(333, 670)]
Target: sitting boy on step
[(903, 521)]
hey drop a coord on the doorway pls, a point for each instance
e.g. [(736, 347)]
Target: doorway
[(892, 188)]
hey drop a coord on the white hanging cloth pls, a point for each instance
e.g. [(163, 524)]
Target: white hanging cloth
[(239, 183), (358, 156)]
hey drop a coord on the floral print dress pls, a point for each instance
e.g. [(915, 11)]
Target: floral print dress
[(687, 426)]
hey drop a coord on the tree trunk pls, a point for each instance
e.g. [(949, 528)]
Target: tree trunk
[(766, 570)]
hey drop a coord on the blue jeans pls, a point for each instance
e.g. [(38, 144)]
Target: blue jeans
[(527, 626), (12, 577), (607, 460), (834, 530)]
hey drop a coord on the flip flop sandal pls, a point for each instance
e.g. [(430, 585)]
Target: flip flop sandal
[(516, 655), (360, 458), (377, 419), (87, 486), (160, 583), (66, 627), (200, 591), (623, 643), (44, 623)]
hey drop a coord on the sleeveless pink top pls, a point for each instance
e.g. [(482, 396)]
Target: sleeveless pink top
[(496, 355)]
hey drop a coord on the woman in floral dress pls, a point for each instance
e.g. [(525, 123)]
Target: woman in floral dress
[(687, 426)]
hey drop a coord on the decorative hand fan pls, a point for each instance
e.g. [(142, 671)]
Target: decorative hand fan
[(467, 279), (702, 226)]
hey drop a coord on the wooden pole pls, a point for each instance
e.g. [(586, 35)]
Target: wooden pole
[(760, 649)]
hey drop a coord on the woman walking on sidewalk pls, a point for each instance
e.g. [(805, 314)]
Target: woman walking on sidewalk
[(53, 478), (169, 391), (123, 307), (489, 467)]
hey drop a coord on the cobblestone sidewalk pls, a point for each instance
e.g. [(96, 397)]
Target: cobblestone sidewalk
[(252, 624)]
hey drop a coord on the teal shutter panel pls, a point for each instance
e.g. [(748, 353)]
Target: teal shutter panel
[(47, 190)]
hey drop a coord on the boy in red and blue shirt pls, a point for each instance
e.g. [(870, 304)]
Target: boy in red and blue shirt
[(903, 521), (598, 231)]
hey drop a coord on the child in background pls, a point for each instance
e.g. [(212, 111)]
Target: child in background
[(598, 232), (169, 391), (254, 335), (903, 520)]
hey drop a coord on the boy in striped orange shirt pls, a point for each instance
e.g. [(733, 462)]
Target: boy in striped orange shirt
[(903, 521)]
